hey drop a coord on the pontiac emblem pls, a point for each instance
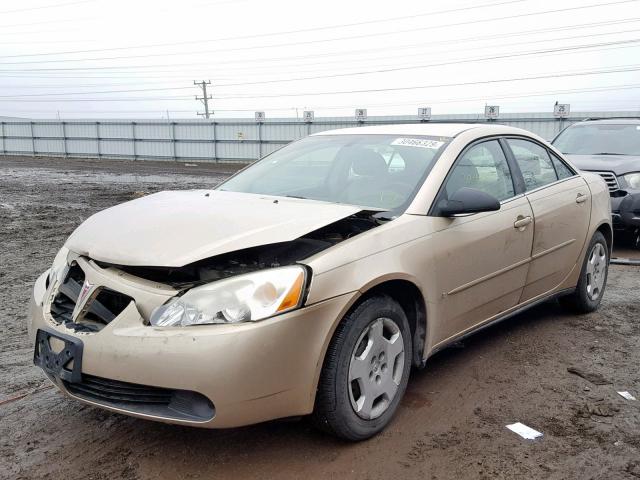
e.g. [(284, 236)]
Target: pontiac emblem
[(86, 288), (83, 297)]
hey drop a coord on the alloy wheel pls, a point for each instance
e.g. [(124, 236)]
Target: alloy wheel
[(376, 368), (596, 271)]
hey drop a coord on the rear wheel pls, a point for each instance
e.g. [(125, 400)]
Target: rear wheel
[(366, 370), (593, 277)]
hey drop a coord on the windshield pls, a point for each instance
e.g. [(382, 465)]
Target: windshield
[(377, 171), (594, 139)]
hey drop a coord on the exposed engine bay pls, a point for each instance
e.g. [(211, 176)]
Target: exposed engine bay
[(257, 258)]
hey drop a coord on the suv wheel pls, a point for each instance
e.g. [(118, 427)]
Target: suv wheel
[(366, 370)]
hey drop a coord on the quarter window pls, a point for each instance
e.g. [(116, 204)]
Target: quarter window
[(534, 163), (483, 167), (561, 168)]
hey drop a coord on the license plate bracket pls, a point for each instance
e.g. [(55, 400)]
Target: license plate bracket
[(65, 363)]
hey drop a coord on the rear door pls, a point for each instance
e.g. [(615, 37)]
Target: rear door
[(481, 260), (561, 204)]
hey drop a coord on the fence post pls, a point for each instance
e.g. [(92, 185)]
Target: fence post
[(133, 139), (33, 140), (64, 139), (259, 140), (98, 137), (215, 143), (172, 127), (4, 140)]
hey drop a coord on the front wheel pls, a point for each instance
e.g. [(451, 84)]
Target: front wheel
[(593, 277), (366, 370)]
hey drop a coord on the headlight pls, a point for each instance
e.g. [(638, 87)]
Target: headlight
[(244, 298), (632, 179), (59, 266)]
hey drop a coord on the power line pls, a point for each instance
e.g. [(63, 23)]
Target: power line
[(360, 51), (203, 84), (413, 67), (382, 70), (418, 87), (378, 90), (419, 101), (55, 74), (190, 64), (308, 42), (288, 32)]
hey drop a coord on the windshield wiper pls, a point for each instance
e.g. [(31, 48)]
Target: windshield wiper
[(607, 153), (296, 196)]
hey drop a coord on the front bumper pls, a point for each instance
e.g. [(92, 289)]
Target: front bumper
[(251, 372), (625, 210)]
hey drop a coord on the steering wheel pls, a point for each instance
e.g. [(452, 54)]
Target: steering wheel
[(390, 196)]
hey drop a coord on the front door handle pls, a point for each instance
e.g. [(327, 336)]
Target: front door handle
[(521, 222), (581, 198)]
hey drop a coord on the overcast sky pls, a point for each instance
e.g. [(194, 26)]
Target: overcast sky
[(139, 58)]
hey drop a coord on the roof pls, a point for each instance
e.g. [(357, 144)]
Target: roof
[(612, 121), (431, 129)]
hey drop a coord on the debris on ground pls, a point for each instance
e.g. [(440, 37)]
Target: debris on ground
[(627, 395), (24, 394), (594, 378), (525, 432), (598, 409), (139, 194)]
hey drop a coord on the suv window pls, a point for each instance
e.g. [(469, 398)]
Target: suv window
[(483, 167), (599, 138), (534, 163)]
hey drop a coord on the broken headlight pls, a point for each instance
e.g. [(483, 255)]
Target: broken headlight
[(59, 267), (250, 297)]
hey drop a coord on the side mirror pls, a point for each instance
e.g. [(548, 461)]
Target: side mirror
[(467, 201)]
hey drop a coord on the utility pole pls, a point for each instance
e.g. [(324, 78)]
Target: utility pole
[(205, 98)]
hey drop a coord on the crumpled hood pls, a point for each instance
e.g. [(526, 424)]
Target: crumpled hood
[(618, 164), (175, 228)]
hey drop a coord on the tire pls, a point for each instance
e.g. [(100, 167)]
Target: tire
[(635, 239), (584, 298), (358, 367)]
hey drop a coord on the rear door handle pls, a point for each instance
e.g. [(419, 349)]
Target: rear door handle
[(581, 198), (521, 222)]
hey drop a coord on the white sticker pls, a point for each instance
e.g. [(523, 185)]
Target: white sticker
[(418, 142), (524, 431), (626, 395)]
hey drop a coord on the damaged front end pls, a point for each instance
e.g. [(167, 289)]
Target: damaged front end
[(256, 258), (249, 284)]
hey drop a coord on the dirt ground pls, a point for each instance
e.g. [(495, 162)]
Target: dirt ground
[(452, 421)]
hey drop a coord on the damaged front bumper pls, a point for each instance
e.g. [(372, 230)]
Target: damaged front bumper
[(626, 210), (213, 376)]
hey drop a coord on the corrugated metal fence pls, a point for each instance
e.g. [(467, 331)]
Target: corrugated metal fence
[(228, 140)]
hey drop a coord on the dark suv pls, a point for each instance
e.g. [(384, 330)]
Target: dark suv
[(611, 148)]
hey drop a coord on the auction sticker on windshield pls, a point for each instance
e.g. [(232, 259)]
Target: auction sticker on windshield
[(418, 142)]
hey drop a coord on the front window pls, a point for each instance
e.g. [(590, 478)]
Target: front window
[(376, 171), (600, 139)]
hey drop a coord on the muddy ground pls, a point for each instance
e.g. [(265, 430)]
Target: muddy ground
[(452, 421)]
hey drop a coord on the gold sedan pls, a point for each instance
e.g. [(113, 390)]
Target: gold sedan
[(312, 281)]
